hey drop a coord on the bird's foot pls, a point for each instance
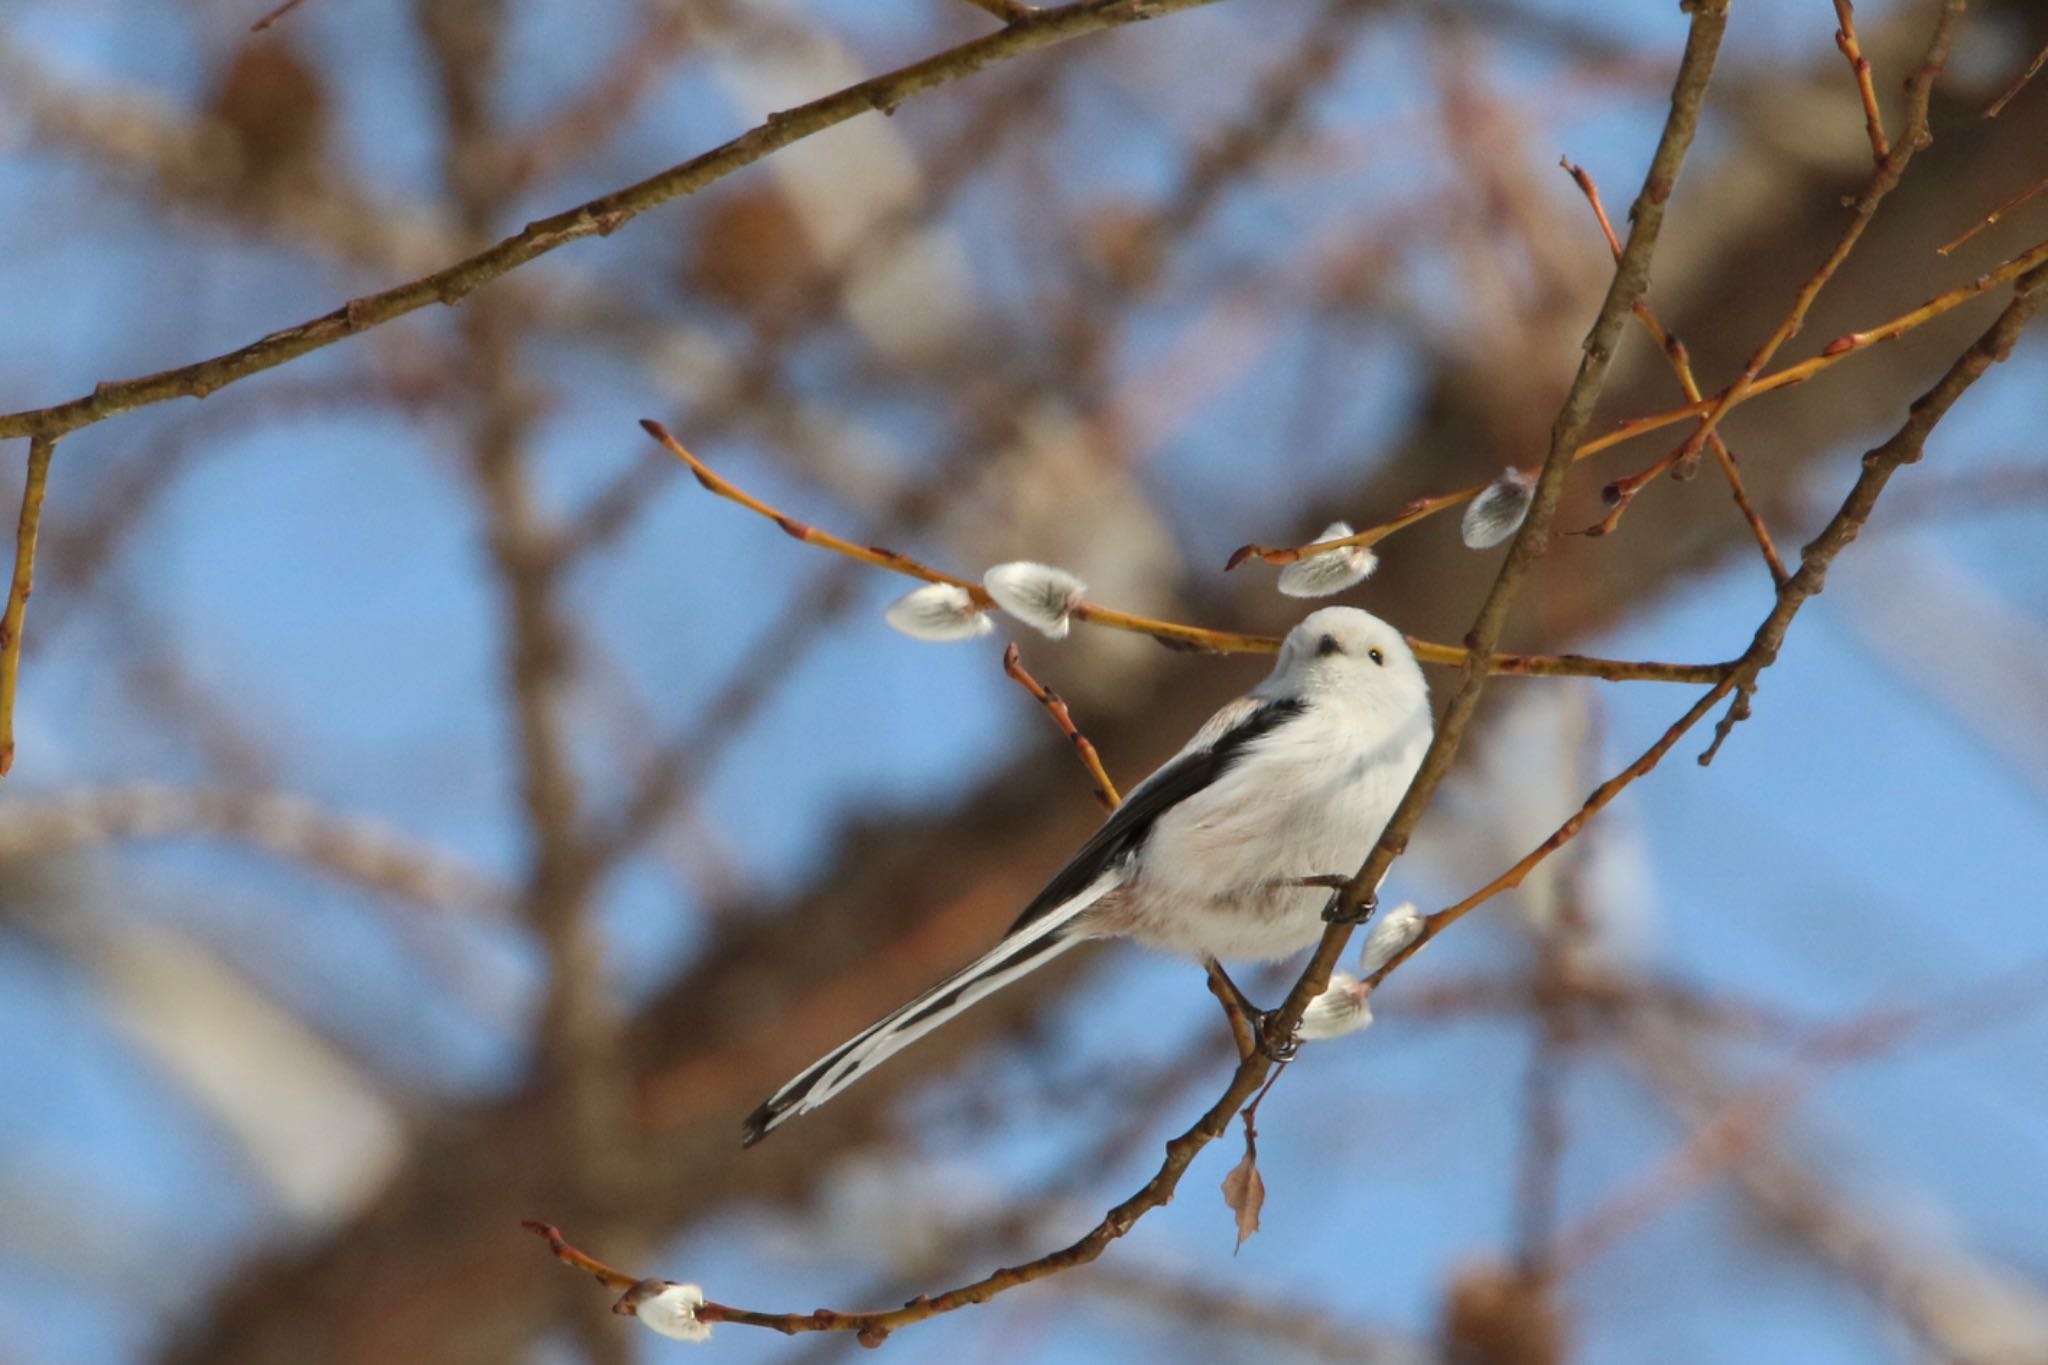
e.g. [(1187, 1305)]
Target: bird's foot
[(1279, 1051), (1258, 1021), (1336, 913)]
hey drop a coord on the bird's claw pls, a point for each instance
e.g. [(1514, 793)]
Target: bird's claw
[(1259, 1021), (1279, 1051), (1335, 913)]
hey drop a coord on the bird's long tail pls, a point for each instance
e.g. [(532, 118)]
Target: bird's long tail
[(1025, 949)]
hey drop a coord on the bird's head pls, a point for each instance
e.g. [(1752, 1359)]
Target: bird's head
[(1348, 653)]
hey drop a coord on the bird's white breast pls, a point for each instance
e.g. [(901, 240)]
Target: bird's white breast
[(1307, 800)]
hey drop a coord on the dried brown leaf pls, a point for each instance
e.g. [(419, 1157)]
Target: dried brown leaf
[(1244, 1190)]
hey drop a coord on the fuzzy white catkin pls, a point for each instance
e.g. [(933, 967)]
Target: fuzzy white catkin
[(1331, 571), (1390, 932), (1497, 512), (1040, 595), (938, 611), (672, 1311), (1343, 1007)]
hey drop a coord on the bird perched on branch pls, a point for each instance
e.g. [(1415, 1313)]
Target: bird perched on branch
[(1227, 851)]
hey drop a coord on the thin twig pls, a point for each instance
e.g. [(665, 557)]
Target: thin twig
[(1241, 1030), (1558, 1005), (897, 562), (280, 12), (1890, 169), (608, 1276), (1681, 364), (1859, 65), (1904, 448), (1997, 106), (2007, 207), (1056, 707), (1172, 632), (37, 478), (369, 853)]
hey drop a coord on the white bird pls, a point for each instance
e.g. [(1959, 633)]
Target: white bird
[(1225, 852)]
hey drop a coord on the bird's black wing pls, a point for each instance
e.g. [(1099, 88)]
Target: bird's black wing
[(1131, 823)]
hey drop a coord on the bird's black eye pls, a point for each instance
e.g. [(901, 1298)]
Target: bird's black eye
[(1327, 646), (1376, 656)]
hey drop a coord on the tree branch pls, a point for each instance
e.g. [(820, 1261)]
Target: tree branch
[(27, 529), (597, 217), (368, 853)]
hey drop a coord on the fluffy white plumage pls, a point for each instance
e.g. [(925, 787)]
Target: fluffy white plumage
[(1206, 856)]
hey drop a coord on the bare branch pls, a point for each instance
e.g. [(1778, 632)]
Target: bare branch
[(33, 485), (598, 217), (1056, 707), (1891, 167), (368, 853), (1859, 67), (274, 15), (1681, 365), (2011, 93)]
